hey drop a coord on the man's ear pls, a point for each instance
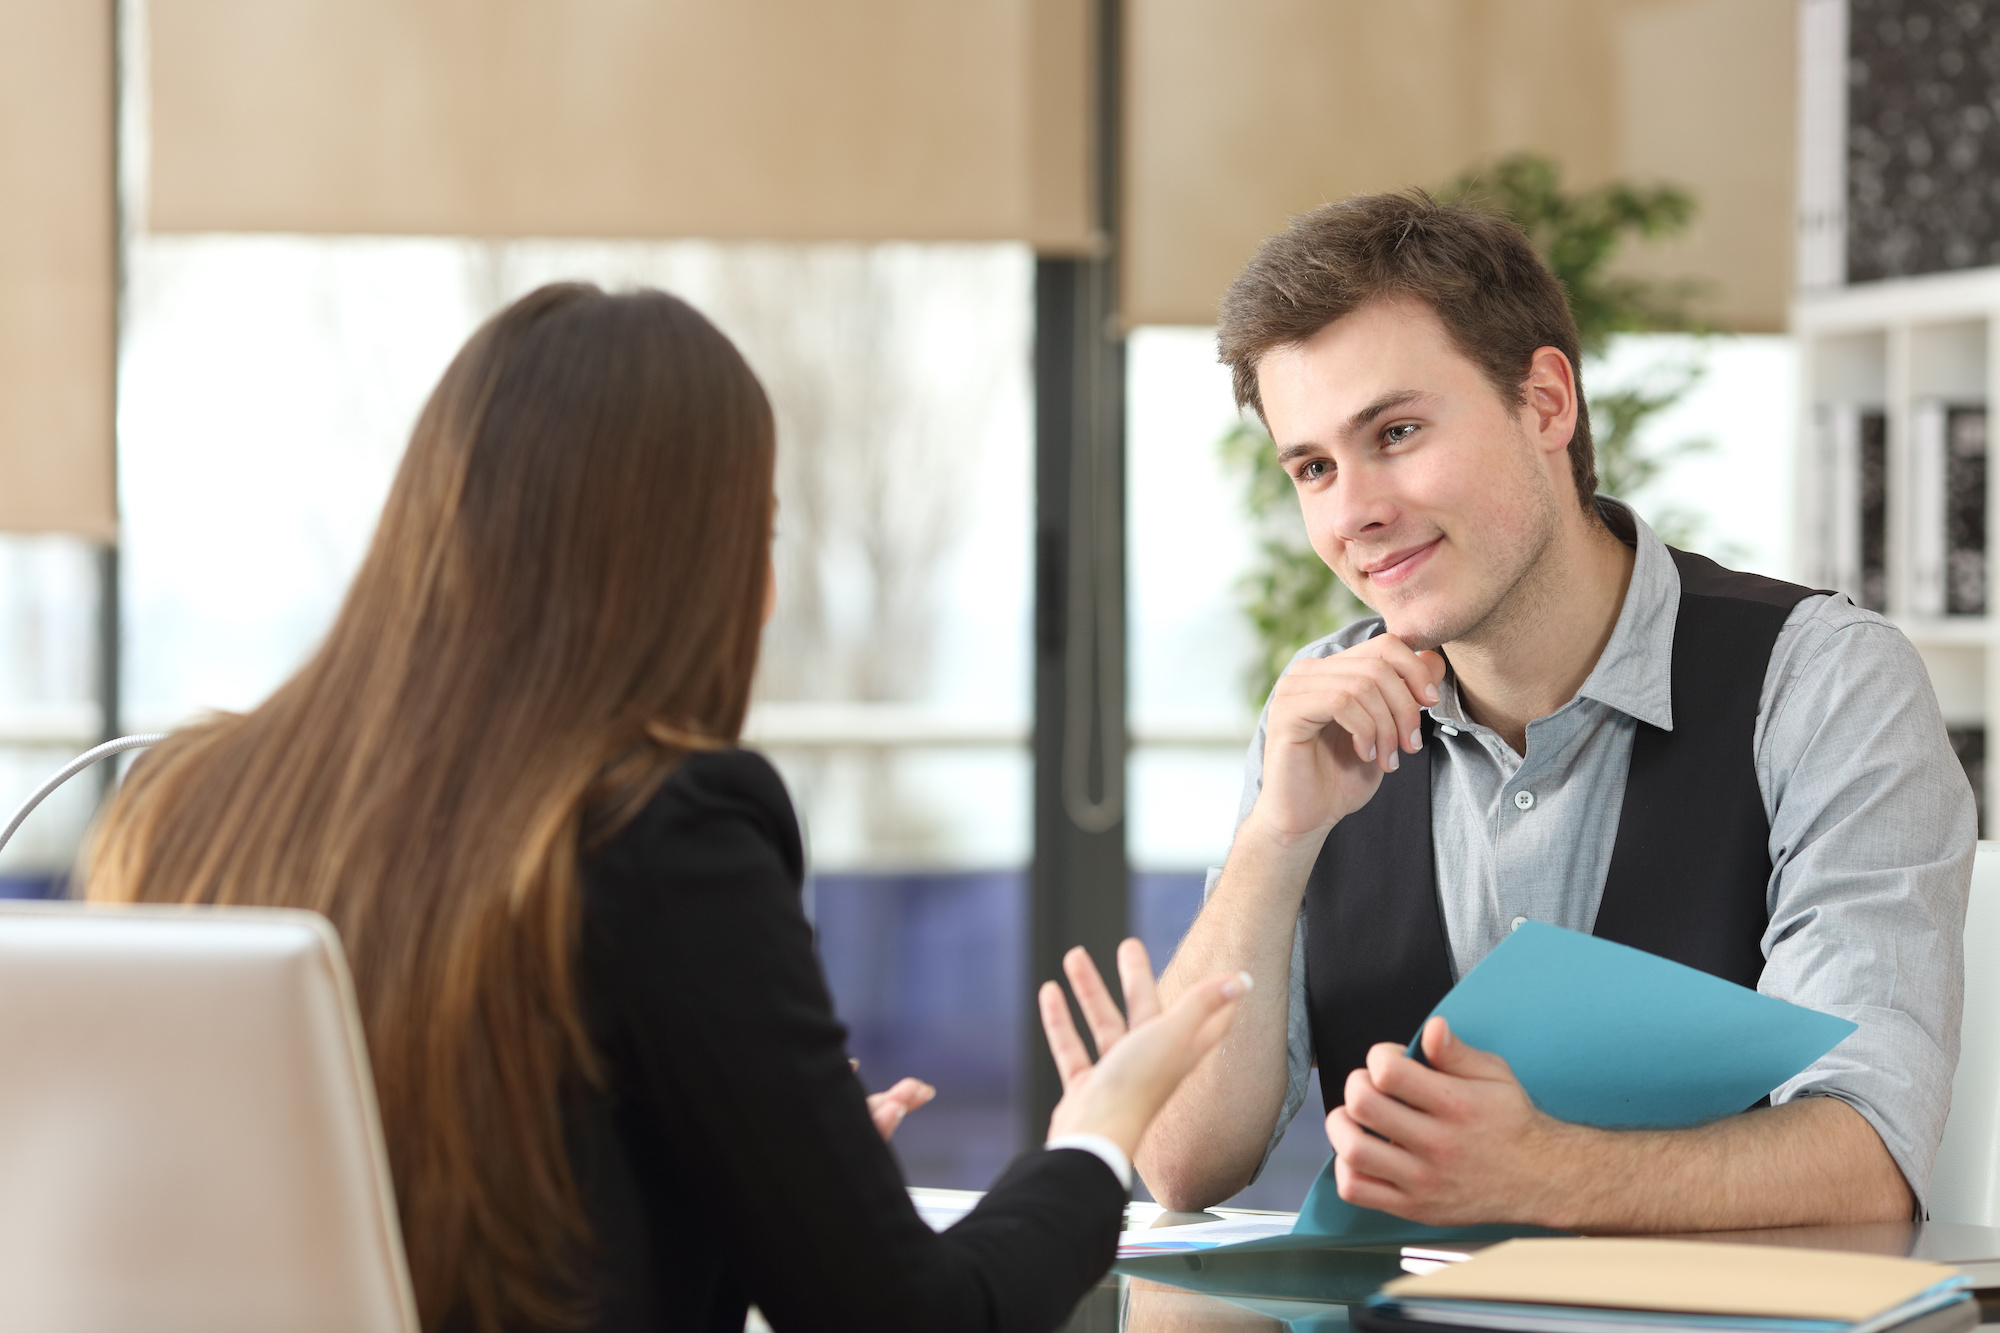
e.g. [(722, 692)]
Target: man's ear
[(1549, 399)]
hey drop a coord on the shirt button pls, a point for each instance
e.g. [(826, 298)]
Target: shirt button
[(1518, 922), (1524, 799)]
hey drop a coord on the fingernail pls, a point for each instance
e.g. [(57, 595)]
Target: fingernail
[(1370, 756), (1237, 986), (1395, 761), (896, 1112), (1431, 693), (1417, 739)]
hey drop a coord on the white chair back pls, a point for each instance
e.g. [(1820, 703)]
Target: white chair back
[(1965, 1183), (188, 1132)]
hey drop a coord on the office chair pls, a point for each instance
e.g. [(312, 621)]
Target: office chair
[(1965, 1183), (188, 1132)]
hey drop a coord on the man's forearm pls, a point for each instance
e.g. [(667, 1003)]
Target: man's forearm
[(1816, 1160), (1206, 1143)]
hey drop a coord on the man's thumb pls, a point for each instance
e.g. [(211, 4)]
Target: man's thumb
[(1447, 1054), (1442, 1051)]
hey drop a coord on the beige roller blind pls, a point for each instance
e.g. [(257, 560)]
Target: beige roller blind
[(1241, 115), (57, 305), (786, 119)]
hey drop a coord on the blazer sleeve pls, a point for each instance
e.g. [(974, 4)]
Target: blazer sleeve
[(695, 935)]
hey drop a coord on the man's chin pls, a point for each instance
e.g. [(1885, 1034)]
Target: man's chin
[(1422, 630)]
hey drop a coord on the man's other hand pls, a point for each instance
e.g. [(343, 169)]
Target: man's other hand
[(1336, 725), (1460, 1142)]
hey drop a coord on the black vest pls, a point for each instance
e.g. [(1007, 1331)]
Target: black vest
[(1689, 870)]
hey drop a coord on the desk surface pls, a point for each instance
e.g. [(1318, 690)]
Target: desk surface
[(1134, 1305)]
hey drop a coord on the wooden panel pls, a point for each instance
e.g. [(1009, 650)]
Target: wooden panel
[(57, 311), (757, 118), (1240, 116)]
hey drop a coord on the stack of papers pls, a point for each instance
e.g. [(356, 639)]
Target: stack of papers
[(1661, 1286), (1203, 1235)]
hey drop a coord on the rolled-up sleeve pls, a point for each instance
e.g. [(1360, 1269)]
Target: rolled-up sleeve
[(1872, 836)]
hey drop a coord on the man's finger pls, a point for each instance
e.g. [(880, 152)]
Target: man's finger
[(1367, 694), (1107, 1025), (1365, 1191), (1064, 1045), (1363, 1152), (1135, 978), (1449, 1055), (1422, 671), (1388, 1116), (1403, 702), (1425, 1089), (1367, 719)]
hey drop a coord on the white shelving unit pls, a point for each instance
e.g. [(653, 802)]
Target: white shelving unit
[(1894, 346)]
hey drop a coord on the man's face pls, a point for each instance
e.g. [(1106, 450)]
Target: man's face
[(1426, 492)]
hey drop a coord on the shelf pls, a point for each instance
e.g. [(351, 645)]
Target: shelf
[(1932, 298)]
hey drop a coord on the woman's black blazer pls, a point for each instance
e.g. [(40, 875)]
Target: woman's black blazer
[(729, 1158)]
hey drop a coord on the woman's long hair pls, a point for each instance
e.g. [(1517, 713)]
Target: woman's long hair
[(564, 596)]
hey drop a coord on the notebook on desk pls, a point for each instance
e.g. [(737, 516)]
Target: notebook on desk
[(1613, 1285)]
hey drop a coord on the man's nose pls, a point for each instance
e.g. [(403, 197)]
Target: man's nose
[(1361, 503)]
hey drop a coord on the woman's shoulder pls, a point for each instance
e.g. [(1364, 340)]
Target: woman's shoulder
[(732, 775), (714, 802)]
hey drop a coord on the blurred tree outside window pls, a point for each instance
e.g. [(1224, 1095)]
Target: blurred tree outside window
[(1291, 597)]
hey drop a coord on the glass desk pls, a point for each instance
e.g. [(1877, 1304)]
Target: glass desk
[(1123, 1304)]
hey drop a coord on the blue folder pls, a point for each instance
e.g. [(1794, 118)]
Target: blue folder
[(1603, 1034), (1599, 1034)]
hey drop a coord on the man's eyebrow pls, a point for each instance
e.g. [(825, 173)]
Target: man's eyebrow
[(1361, 420)]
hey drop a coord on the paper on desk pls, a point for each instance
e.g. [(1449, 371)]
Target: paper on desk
[(1202, 1235), (1599, 1034)]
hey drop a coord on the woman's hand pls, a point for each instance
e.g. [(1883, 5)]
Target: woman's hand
[(887, 1109), (1142, 1054)]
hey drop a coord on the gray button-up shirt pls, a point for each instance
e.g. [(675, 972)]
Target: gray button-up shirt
[(1872, 833)]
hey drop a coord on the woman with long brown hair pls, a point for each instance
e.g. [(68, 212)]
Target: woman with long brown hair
[(612, 1085)]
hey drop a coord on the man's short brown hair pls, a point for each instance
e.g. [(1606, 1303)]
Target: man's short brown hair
[(1497, 299)]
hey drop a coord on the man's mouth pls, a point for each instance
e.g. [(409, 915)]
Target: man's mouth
[(1393, 568)]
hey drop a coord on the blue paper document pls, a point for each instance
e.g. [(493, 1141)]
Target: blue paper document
[(1602, 1034), (1599, 1034)]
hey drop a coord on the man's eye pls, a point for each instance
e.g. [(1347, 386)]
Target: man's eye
[(1312, 469), (1399, 432)]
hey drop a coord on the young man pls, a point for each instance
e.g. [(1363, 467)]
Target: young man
[(1554, 717)]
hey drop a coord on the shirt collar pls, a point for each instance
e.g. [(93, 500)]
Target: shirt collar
[(1634, 674)]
